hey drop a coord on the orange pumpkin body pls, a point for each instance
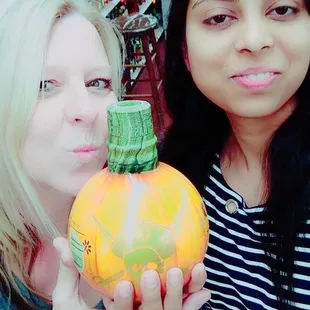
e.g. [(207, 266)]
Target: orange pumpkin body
[(123, 224)]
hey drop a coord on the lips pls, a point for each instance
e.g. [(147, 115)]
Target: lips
[(86, 149), (257, 78), (259, 71)]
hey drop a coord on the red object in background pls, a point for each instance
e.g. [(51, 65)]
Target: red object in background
[(132, 6)]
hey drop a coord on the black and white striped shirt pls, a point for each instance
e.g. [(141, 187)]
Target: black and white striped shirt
[(238, 276)]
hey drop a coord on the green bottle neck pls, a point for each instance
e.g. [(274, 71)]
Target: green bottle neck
[(132, 141)]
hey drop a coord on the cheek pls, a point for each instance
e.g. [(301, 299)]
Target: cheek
[(208, 71), (40, 139), (42, 131), (295, 48), (36, 151), (102, 121), (208, 55), (45, 124), (108, 100), (205, 47)]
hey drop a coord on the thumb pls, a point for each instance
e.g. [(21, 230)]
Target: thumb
[(196, 300), (67, 283)]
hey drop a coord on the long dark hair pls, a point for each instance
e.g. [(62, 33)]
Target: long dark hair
[(200, 129)]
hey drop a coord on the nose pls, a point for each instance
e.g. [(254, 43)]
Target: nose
[(254, 37), (81, 109)]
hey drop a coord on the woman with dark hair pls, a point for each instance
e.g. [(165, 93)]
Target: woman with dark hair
[(237, 90)]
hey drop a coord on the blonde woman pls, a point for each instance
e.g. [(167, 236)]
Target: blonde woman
[(60, 68)]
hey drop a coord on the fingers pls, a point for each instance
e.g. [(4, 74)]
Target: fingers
[(68, 277), (150, 290), (174, 289), (198, 279), (196, 300), (108, 303), (123, 297)]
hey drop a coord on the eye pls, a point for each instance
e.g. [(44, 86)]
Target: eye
[(219, 20), (47, 86), (283, 11), (99, 83)]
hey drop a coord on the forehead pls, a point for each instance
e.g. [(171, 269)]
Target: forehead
[(196, 3), (75, 41)]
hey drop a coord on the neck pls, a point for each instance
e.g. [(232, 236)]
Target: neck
[(251, 136), (57, 205)]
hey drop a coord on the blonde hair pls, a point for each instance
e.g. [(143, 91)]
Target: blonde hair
[(24, 34)]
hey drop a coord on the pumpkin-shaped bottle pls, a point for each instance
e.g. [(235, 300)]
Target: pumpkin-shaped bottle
[(138, 213)]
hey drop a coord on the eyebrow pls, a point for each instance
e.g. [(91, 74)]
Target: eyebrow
[(91, 69), (201, 1), (107, 69)]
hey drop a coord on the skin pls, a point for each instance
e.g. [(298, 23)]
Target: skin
[(70, 113), (249, 33), (66, 295)]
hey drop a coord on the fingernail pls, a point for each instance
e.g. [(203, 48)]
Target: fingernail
[(150, 279), (56, 245), (174, 276), (201, 267), (200, 270), (125, 289)]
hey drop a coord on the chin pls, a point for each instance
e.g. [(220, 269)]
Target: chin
[(260, 114), (257, 108), (74, 183)]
